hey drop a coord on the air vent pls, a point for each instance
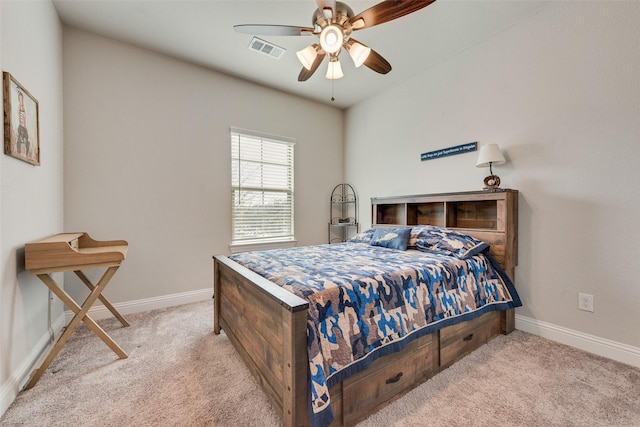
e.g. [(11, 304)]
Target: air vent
[(266, 48)]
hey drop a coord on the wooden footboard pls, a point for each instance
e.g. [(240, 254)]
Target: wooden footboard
[(267, 325)]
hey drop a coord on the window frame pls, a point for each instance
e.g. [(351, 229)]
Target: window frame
[(241, 244)]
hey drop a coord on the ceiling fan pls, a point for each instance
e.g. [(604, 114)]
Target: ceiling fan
[(333, 22)]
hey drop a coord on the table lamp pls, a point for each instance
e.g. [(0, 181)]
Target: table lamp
[(490, 155)]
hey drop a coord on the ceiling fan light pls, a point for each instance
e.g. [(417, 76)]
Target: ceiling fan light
[(331, 38), (358, 52), (334, 71), (306, 56)]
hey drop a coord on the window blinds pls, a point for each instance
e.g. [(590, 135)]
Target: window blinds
[(261, 186)]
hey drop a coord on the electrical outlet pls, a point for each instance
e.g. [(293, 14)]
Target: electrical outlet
[(585, 302)]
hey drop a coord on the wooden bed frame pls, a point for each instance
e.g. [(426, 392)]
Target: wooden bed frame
[(268, 325)]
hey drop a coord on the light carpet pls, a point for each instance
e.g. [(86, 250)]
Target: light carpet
[(180, 374)]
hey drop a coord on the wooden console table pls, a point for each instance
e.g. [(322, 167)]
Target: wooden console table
[(76, 252)]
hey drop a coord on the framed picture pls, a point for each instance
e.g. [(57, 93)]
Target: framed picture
[(21, 126)]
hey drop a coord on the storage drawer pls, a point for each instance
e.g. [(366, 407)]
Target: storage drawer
[(461, 339), (386, 379)]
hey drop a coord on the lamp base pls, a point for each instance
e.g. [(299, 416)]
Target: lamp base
[(492, 183)]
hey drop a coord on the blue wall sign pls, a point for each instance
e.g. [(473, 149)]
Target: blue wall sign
[(444, 152)]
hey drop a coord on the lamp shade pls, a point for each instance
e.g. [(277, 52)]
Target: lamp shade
[(358, 52), (490, 154), (335, 70), (307, 55)]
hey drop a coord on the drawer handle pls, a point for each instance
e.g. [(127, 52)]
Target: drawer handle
[(394, 379), (468, 337)]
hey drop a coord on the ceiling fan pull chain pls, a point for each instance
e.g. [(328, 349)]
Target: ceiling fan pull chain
[(332, 98)]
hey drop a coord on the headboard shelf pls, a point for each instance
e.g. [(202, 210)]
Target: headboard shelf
[(491, 216)]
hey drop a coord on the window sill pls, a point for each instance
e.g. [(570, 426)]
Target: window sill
[(237, 247)]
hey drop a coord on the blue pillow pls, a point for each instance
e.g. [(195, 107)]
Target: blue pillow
[(392, 238), (363, 237), (447, 242)]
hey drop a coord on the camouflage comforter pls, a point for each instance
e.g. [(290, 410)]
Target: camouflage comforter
[(366, 301)]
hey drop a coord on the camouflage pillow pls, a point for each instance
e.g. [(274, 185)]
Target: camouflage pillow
[(415, 232), (443, 241), (392, 238), (362, 237)]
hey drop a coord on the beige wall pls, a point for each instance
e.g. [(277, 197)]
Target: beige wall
[(30, 196), (560, 94), (147, 159)]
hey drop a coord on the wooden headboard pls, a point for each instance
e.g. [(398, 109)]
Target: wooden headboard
[(491, 216)]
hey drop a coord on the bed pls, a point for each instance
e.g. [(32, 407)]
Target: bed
[(295, 342)]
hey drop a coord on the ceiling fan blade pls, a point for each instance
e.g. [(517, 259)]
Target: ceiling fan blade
[(305, 74), (377, 63), (325, 5), (273, 30), (387, 11)]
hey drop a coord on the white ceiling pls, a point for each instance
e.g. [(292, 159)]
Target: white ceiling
[(201, 32)]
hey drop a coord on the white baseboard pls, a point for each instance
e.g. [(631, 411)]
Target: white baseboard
[(18, 379), (99, 311), (591, 343)]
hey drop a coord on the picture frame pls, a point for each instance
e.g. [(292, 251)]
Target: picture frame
[(21, 121)]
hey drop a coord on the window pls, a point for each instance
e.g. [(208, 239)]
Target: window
[(261, 187)]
